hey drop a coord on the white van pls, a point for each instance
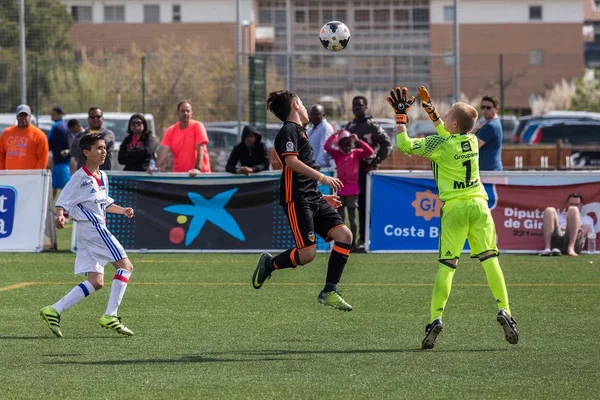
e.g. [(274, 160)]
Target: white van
[(116, 122)]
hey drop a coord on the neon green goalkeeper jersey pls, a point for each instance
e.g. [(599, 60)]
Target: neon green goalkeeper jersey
[(454, 162)]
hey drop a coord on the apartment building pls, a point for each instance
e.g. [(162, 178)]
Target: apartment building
[(510, 48), (116, 26), (591, 30)]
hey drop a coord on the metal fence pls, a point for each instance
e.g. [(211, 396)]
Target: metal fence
[(154, 83)]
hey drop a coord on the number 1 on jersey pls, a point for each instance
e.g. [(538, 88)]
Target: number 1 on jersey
[(467, 165)]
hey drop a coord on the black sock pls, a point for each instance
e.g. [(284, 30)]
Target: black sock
[(288, 259), (337, 262)]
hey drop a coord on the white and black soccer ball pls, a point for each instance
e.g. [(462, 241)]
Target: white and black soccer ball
[(334, 36)]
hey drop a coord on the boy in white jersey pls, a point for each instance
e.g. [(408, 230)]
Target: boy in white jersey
[(85, 198)]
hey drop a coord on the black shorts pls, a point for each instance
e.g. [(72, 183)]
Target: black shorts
[(308, 219)]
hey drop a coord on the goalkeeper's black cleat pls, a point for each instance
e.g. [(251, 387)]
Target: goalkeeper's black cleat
[(509, 325), (432, 331), (263, 270)]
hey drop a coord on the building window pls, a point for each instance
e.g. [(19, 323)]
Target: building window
[(114, 13), (81, 13), (535, 13), (176, 13), (597, 3), (265, 17), (536, 57), (363, 16), (381, 18), (449, 13), (152, 13), (421, 18), (300, 16)]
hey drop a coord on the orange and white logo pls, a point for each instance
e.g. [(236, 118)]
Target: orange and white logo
[(427, 205)]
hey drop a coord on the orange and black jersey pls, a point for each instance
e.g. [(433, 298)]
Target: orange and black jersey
[(292, 140)]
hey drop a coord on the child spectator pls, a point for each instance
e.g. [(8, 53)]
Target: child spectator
[(347, 160)]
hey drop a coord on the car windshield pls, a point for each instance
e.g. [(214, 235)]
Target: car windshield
[(3, 127), (118, 126)]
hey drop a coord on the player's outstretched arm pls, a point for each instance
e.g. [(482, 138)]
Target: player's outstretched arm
[(401, 103), (115, 209), (292, 162), (426, 102)]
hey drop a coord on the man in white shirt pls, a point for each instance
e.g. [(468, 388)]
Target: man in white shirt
[(565, 232), (318, 134)]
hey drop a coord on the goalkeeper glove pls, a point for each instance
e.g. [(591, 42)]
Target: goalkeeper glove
[(400, 103), (426, 103)]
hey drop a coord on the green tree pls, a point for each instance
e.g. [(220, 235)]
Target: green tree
[(48, 51), (587, 94)]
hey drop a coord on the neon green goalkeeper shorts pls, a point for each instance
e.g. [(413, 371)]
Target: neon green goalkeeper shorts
[(463, 219)]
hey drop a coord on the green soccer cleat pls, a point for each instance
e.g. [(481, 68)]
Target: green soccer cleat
[(52, 318), (263, 270), (432, 331), (509, 325), (334, 299), (114, 323)]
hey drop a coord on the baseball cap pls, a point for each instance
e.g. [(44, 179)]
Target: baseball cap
[(23, 108), (58, 110), (344, 134)]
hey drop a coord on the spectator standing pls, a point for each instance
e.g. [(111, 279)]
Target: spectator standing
[(347, 161), (23, 146), (74, 128), (95, 121), (319, 133), (489, 135), (138, 147), (187, 140), (369, 131), (565, 232), (59, 141), (251, 154)]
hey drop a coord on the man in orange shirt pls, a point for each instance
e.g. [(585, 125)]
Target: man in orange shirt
[(187, 140), (23, 146)]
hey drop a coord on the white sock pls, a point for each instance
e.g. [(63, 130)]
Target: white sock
[(119, 284), (76, 294)]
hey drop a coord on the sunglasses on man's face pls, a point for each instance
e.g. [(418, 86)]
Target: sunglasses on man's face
[(486, 107), (95, 116)]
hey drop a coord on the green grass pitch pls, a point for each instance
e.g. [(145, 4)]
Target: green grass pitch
[(203, 332)]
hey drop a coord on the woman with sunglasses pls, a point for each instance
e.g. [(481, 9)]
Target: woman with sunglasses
[(139, 146)]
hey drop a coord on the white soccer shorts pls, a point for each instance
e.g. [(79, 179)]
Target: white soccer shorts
[(96, 247)]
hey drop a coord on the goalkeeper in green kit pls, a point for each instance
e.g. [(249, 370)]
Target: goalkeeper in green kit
[(454, 160)]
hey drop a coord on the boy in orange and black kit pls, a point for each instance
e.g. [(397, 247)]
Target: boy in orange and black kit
[(308, 211)]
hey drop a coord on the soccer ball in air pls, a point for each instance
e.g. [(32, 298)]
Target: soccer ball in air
[(334, 36)]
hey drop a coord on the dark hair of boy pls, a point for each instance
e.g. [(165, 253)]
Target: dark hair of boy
[(88, 140), (280, 103)]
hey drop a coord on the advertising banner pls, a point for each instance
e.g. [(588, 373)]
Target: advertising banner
[(220, 212), (24, 202), (405, 212)]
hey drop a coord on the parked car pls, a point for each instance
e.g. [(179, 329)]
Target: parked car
[(7, 120), (528, 124), (570, 132), (221, 142), (420, 128), (116, 122)]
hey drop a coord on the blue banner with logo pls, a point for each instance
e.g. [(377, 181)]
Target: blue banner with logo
[(220, 212), (405, 213)]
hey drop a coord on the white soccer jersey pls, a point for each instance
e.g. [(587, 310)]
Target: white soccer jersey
[(85, 197)]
